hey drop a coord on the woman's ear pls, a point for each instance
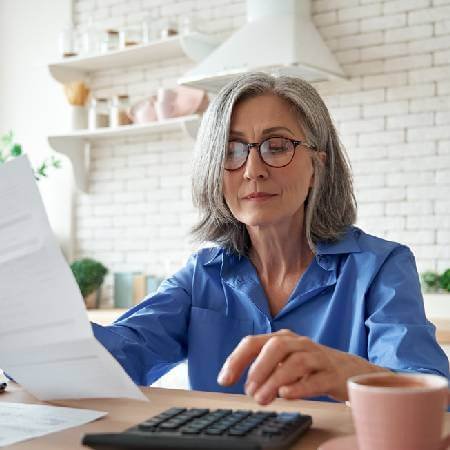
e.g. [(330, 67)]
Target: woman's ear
[(322, 156), (321, 159)]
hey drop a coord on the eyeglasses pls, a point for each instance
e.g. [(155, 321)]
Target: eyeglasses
[(274, 151)]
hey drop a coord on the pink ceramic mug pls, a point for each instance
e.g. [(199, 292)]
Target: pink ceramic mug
[(164, 104), (399, 411), (143, 111)]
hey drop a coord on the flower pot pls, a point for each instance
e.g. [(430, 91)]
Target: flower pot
[(92, 300)]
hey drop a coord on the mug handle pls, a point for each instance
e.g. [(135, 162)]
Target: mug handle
[(445, 443)]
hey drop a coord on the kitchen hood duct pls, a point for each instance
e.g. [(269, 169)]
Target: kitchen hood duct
[(278, 38)]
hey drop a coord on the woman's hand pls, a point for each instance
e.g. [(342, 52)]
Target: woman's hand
[(291, 366)]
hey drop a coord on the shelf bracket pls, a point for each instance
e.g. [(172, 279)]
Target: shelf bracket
[(65, 74), (79, 153)]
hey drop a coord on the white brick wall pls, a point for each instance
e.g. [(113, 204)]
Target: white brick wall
[(393, 114)]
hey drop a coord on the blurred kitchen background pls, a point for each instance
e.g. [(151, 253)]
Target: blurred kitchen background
[(122, 196)]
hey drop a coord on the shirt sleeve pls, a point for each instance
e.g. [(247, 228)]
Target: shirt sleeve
[(400, 337), (151, 338)]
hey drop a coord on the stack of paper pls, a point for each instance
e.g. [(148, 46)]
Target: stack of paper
[(47, 344), (21, 422)]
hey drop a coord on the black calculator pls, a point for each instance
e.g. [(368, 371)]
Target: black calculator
[(217, 429)]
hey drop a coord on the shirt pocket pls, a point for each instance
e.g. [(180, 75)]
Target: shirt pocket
[(212, 337)]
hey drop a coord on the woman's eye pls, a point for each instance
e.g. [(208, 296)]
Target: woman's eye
[(277, 149), (236, 151)]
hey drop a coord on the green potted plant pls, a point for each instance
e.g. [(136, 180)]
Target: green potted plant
[(430, 281), (444, 280), (434, 282), (436, 289), (10, 149), (89, 275)]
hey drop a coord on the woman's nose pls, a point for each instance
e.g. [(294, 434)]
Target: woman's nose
[(255, 168)]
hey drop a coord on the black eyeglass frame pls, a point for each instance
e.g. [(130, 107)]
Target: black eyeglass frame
[(257, 145)]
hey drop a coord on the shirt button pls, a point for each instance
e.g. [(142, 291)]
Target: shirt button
[(324, 262)]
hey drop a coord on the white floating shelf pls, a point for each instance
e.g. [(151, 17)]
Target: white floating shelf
[(77, 144), (195, 46)]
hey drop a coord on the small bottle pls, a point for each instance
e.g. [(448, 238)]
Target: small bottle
[(67, 43), (91, 39), (168, 28), (129, 37), (148, 29), (118, 112), (98, 113), (109, 41), (186, 25)]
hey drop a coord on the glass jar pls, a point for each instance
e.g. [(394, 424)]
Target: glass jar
[(186, 25), (91, 39), (98, 113), (67, 43), (109, 41), (149, 29), (118, 113), (167, 28), (129, 37)]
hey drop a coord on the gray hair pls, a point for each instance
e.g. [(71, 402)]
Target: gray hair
[(330, 207)]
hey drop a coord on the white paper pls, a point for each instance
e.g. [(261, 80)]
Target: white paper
[(47, 343), (19, 421)]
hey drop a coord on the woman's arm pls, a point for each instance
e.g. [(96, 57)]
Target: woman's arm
[(150, 338), (399, 335), (399, 339)]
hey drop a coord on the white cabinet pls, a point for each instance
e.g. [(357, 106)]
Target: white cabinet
[(77, 144)]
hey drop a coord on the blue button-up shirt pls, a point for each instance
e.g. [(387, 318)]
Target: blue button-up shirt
[(360, 295)]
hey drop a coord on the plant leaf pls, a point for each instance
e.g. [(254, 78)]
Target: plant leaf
[(16, 150), (7, 139), (56, 163), (42, 170)]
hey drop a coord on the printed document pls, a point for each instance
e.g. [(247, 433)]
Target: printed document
[(46, 341), (21, 421)]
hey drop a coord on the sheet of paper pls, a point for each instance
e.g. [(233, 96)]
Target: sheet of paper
[(47, 344), (20, 421)]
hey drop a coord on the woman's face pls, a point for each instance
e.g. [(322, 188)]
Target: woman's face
[(257, 194)]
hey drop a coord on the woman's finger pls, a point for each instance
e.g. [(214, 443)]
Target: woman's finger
[(241, 357), (294, 367), (274, 352), (310, 385), (244, 354)]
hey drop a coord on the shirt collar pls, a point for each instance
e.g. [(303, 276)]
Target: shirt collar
[(215, 256), (347, 244)]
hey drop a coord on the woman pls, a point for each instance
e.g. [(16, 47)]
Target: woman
[(293, 299)]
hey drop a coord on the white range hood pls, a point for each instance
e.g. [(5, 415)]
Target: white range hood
[(279, 37)]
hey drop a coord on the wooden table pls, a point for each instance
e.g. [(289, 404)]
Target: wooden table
[(442, 330), (104, 316), (329, 419)]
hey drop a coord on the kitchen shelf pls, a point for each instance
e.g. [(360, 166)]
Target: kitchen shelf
[(195, 46), (77, 144)]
